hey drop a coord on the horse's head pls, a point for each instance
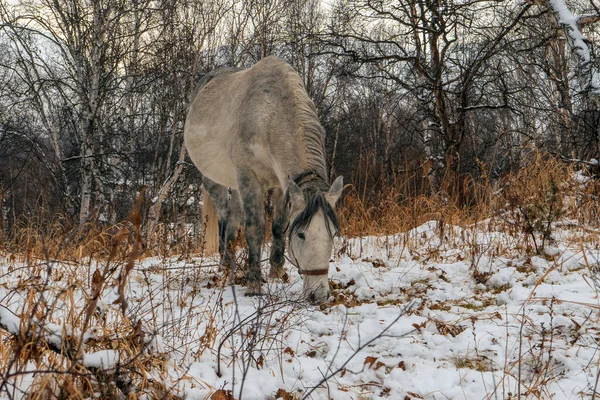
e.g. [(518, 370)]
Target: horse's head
[(313, 225)]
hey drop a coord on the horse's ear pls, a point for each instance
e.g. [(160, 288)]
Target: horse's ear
[(296, 197), (335, 191)]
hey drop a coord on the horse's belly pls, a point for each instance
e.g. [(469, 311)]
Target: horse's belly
[(223, 174), (210, 155)]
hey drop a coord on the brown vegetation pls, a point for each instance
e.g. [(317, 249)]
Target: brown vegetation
[(529, 203)]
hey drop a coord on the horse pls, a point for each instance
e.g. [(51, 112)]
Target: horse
[(251, 131)]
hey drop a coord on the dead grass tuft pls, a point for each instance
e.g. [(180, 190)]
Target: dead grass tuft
[(404, 203)]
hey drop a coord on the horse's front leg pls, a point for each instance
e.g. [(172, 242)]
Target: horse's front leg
[(252, 195), (280, 220)]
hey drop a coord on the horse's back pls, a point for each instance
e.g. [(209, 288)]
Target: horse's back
[(244, 120)]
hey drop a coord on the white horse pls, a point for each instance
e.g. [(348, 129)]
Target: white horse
[(252, 131)]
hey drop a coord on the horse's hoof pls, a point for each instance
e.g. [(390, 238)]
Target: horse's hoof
[(254, 289), (239, 276), (279, 273)]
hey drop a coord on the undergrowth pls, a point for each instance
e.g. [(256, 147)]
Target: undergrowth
[(529, 200), (529, 204)]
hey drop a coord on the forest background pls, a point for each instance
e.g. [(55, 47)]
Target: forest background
[(424, 102)]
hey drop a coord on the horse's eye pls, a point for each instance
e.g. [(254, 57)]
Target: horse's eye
[(301, 236)]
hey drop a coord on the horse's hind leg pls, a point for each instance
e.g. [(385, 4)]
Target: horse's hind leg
[(232, 223), (252, 195), (228, 211), (280, 219)]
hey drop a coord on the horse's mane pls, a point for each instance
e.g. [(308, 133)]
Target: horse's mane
[(305, 115), (314, 182)]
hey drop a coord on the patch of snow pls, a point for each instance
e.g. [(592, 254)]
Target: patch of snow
[(54, 334), (504, 277), (103, 359), (580, 177), (9, 320)]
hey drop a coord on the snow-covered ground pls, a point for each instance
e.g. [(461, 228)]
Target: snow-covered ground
[(434, 313)]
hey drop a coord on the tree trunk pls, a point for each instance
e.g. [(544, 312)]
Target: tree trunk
[(90, 102), (434, 166), (2, 225), (86, 185), (154, 213)]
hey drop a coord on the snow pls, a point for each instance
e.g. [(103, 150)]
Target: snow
[(577, 41), (19, 384), (53, 334), (9, 320), (103, 359), (467, 315), (567, 18), (581, 177)]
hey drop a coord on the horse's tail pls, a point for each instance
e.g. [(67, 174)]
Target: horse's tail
[(211, 225)]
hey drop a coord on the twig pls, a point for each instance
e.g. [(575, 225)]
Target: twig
[(363, 346), (520, 354)]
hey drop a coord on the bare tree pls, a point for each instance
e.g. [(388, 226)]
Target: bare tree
[(437, 52), (77, 77)]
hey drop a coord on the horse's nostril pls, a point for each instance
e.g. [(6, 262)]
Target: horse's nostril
[(312, 297)]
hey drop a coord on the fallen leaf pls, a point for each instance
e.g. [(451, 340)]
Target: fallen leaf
[(282, 394), (370, 360), (289, 351), (222, 395), (419, 326), (260, 362)]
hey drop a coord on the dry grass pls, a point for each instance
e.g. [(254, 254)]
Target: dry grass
[(403, 203), (406, 201), (527, 203), (62, 318), (537, 195)]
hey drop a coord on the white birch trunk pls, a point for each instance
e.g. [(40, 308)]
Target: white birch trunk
[(569, 24), (89, 129), (434, 160), (86, 186), (154, 213)]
